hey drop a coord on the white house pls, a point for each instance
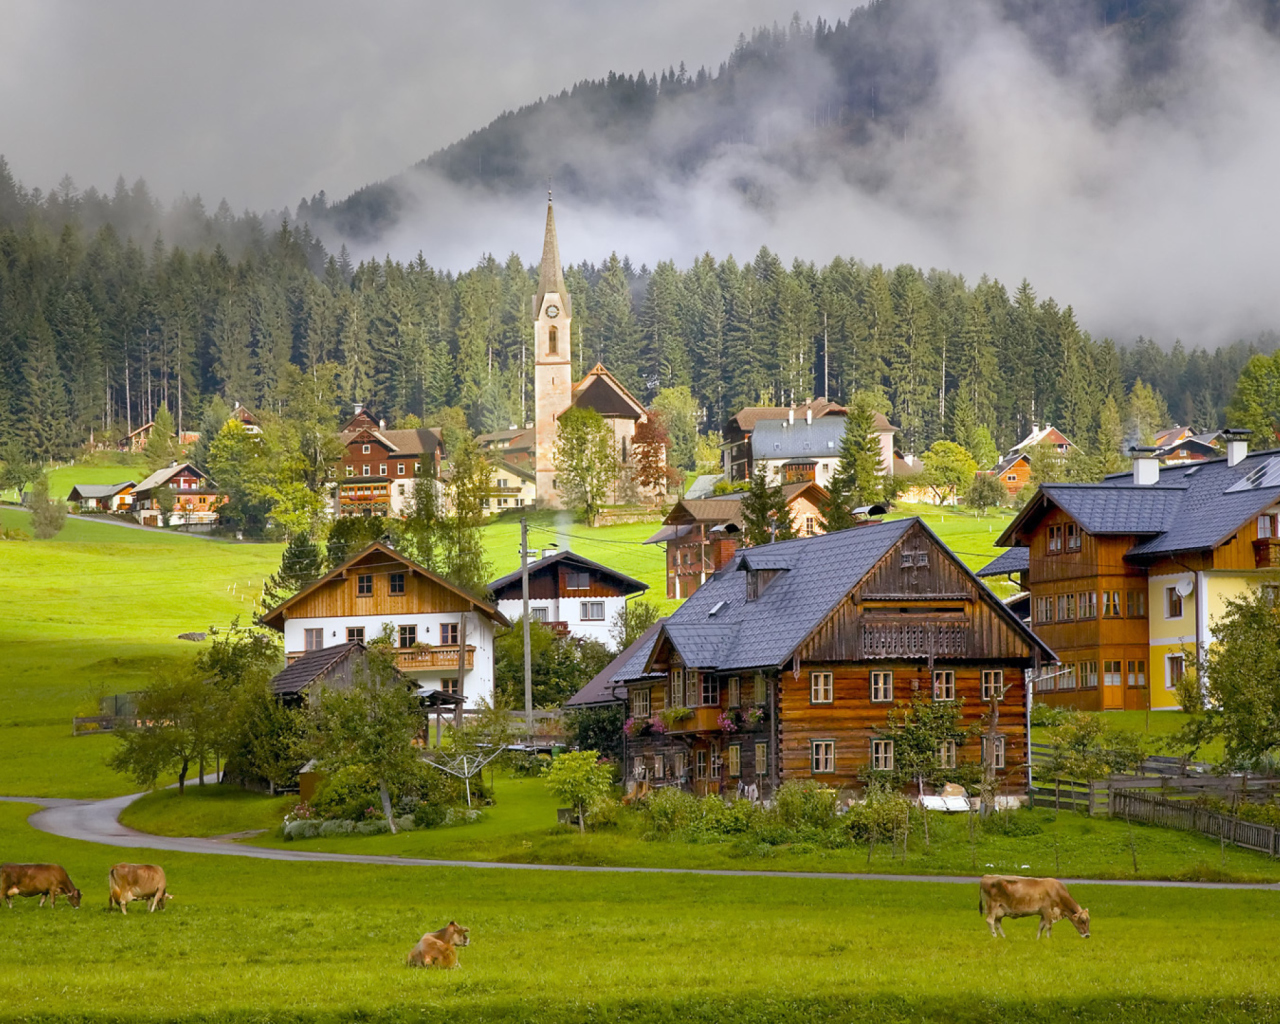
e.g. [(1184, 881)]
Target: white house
[(430, 621)]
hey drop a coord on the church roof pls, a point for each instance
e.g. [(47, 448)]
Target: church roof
[(602, 391), (551, 275)]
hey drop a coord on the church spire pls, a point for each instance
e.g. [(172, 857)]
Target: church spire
[(551, 276)]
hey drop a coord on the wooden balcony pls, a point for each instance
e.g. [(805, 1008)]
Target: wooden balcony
[(702, 720), (1266, 553), (422, 659)]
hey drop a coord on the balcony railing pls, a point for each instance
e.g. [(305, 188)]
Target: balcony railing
[(1266, 553), (418, 659), (702, 720)]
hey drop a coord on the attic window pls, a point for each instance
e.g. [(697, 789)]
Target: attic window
[(758, 580), (716, 608), (777, 446)]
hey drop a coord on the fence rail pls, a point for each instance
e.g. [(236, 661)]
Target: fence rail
[(1189, 817)]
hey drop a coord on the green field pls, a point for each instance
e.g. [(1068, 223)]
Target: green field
[(252, 940)]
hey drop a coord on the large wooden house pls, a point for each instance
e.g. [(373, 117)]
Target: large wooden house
[(1126, 576), (786, 664), (1014, 470), (196, 498), (380, 468), (443, 636)]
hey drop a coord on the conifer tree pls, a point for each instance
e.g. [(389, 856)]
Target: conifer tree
[(858, 469), (47, 513), (162, 444), (765, 515), (300, 565)]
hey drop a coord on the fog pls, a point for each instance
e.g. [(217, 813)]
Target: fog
[(1154, 218)]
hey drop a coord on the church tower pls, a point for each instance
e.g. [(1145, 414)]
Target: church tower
[(552, 372)]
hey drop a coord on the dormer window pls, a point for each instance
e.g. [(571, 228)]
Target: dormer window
[(758, 580), (365, 449)]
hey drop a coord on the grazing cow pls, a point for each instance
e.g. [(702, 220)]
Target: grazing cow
[(43, 880), (436, 949), (137, 882), (1002, 896)]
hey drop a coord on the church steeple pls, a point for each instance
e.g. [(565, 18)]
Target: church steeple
[(550, 275)]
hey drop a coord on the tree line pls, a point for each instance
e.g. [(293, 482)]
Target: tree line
[(100, 329)]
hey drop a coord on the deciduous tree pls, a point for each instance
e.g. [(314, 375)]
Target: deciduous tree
[(585, 459)]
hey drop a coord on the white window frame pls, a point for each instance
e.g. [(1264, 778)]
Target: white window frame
[(821, 688), (992, 682), (364, 450), (677, 688), (822, 757), (588, 607), (1170, 595), (1169, 660), (659, 765), (640, 706), (882, 687), (944, 684), (708, 690), (882, 755), (999, 754), (700, 761), (637, 767)]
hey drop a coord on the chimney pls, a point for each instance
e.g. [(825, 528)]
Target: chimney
[(382, 424), (791, 416), (808, 415), (1146, 467), (1237, 444), (359, 407)]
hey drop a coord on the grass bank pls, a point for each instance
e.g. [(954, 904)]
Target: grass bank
[(255, 940)]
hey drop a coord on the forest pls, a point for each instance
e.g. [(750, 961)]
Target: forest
[(112, 305)]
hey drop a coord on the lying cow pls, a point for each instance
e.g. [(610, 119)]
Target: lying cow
[(129, 882), (43, 880), (1001, 896), (436, 949)]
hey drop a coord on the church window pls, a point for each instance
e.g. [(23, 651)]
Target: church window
[(553, 342)]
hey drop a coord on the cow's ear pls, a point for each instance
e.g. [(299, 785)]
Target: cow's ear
[(454, 924)]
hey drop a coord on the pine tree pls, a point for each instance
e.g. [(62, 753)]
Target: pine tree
[(300, 565), (162, 444), (858, 469), (47, 513), (765, 515), (45, 408)]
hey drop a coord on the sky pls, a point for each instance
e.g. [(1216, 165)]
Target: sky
[(1161, 223)]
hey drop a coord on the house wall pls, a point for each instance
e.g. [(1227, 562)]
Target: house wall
[(569, 610), (690, 560)]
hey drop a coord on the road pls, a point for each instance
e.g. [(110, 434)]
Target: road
[(97, 821)]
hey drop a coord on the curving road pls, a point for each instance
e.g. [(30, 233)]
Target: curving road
[(97, 821)]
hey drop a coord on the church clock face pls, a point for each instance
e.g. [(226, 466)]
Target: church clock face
[(553, 311)]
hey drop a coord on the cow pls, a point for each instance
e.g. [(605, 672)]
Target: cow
[(43, 880), (437, 949), (1001, 896), (128, 882)]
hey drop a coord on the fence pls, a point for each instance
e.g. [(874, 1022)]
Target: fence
[(1190, 817), (110, 708)]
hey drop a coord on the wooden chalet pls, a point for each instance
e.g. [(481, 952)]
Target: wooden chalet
[(1178, 445), (607, 688), (443, 636), (1126, 576), (568, 593), (196, 497), (786, 664), (1014, 470), (380, 468), (103, 497), (702, 534)]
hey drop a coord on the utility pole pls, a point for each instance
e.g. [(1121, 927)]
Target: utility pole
[(524, 620)]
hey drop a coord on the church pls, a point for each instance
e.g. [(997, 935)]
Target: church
[(555, 391)]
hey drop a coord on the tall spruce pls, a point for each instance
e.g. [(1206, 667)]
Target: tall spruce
[(765, 514)]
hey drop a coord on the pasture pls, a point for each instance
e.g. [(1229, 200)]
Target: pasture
[(247, 940)]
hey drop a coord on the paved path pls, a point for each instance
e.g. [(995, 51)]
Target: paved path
[(96, 821)]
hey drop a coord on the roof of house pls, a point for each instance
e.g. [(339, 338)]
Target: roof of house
[(1193, 507), (627, 666), (703, 486), (717, 627), (162, 476), (627, 583), (1007, 463), (85, 491), (312, 666), (746, 419), (1170, 435), (275, 618), (422, 441), (1007, 563), (511, 434), (1042, 435), (602, 391), (778, 439), (724, 508), (504, 466), (1202, 444), (145, 427)]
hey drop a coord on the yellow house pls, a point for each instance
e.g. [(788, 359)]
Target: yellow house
[(1128, 576)]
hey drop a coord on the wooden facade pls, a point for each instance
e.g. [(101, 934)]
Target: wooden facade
[(918, 611)]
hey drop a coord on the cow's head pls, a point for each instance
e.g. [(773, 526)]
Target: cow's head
[(1081, 920), (74, 897), (456, 934)]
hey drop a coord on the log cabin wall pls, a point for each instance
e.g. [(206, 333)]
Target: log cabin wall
[(852, 720), (339, 596)]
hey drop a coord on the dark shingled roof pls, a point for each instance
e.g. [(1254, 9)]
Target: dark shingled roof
[(626, 583), (1193, 507), (629, 665), (312, 666), (1014, 560)]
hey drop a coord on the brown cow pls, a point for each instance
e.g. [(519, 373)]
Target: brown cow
[(436, 949), (129, 882), (1001, 896), (43, 880)]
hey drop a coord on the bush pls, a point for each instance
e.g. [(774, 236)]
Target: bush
[(430, 815), (877, 818), (1048, 715), (806, 803), (373, 827), (328, 829), (671, 810), (303, 828), (1014, 824)]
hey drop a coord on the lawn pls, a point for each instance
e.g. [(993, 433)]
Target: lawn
[(101, 468), (208, 810), (249, 940)]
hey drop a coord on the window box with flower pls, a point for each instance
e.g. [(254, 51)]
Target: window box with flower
[(634, 727)]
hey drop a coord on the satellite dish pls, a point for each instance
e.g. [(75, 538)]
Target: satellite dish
[(1184, 587)]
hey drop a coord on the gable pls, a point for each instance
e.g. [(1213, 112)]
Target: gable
[(368, 437), (600, 395), (919, 601)]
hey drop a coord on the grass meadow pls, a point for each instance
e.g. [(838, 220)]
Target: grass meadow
[(249, 940)]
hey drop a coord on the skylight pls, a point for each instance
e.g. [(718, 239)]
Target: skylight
[(718, 605), (1266, 475)]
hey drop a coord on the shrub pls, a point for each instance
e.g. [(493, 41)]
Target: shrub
[(878, 817), (1014, 824), (328, 829), (1048, 715), (671, 810), (806, 803), (430, 815), (303, 828), (373, 827)]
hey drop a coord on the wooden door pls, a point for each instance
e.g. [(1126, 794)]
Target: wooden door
[(1112, 686)]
